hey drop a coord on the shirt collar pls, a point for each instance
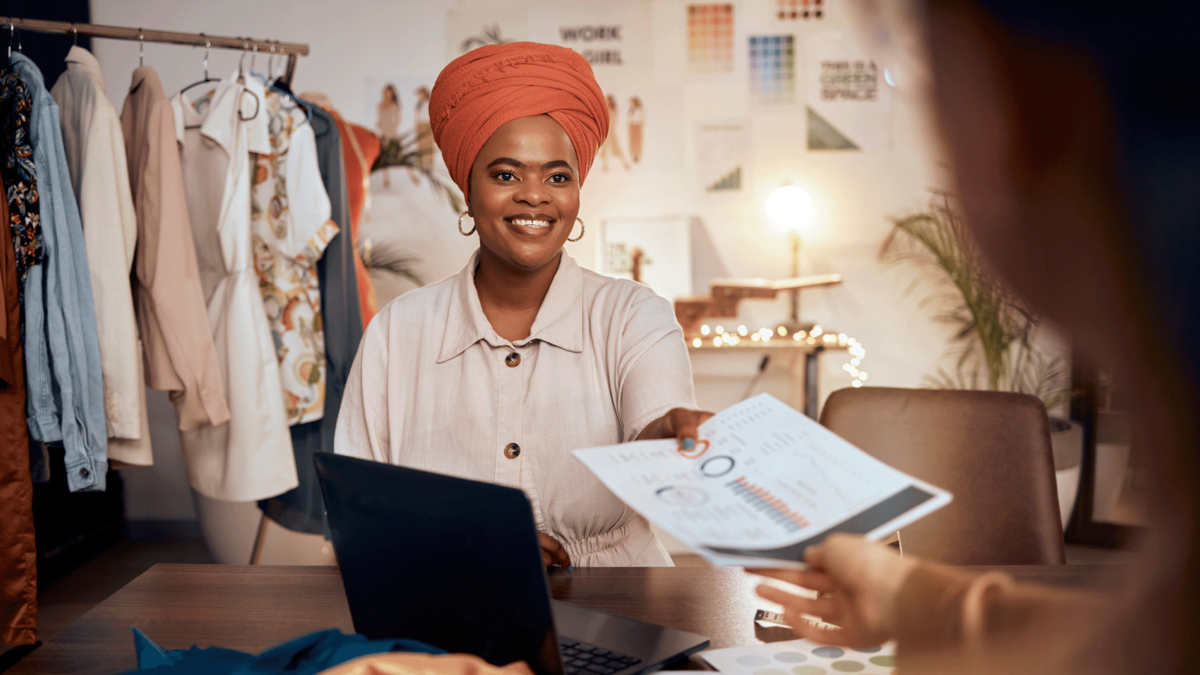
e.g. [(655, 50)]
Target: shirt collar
[(88, 61), (144, 74), (559, 321), (28, 71)]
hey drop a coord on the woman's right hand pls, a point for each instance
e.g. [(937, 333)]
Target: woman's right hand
[(553, 552), (858, 582)]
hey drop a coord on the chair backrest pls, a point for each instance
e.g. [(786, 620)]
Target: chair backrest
[(990, 449)]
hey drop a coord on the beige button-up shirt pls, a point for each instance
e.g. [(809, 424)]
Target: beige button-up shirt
[(172, 316), (434, 387), (95, 151)]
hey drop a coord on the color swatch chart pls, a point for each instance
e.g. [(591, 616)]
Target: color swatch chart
[(710, 38), (801, 657), (773, 69), (799, 10)]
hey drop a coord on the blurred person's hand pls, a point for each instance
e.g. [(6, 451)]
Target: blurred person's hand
[(679, 423), (858, 582)]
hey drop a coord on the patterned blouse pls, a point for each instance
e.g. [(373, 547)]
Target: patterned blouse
[(16, 169)]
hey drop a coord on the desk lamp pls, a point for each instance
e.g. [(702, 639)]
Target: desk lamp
[(792, 209)]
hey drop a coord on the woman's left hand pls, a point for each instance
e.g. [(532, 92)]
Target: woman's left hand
[(680, 423)]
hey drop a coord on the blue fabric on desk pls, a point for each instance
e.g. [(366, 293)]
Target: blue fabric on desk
[(306, 655)]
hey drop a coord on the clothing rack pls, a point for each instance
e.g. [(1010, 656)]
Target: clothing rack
[(265, 47)]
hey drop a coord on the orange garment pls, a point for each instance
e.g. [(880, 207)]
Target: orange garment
[(18, 554), (360, 147), (485, 88), (412, 663)]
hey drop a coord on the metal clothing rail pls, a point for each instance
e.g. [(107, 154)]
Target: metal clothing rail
[(265, 47)]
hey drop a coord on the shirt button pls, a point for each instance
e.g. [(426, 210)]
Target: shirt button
[(513, 360), (512, 451), (84, 473)]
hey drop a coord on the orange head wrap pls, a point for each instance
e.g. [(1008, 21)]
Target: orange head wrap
[(487, 87)]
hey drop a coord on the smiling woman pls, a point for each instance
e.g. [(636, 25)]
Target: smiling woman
[(500, 371)]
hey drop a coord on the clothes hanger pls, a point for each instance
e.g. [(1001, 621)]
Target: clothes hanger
[(242, 81), (12, 32), (207, 79), (283, 88)]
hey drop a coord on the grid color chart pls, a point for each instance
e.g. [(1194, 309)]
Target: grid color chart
[(773, 69), (710, 38), (799, 10)]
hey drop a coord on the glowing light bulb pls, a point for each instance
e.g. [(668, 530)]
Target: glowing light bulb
[(742, 331), (705, 330), (792, 208), (697, 342)]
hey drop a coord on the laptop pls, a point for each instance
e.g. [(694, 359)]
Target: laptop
[(456, 563)]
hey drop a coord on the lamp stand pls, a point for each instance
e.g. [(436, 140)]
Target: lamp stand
[(793, 324)]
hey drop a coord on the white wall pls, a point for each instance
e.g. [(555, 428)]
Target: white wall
[(359, 41)]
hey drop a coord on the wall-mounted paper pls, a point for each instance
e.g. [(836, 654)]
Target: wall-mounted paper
[(710, 38), (614, 37), (849, 101), (722, 156), (772, 69)]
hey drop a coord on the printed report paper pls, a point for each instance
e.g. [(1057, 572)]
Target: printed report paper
[(763, 483)]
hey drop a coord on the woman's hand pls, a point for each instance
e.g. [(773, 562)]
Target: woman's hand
[(680, 423), (858, 581), (553, 552)]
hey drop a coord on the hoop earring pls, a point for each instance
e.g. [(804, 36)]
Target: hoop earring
[(460, 230), (582, 229)]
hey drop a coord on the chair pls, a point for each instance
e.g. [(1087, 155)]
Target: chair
[(990, 449)]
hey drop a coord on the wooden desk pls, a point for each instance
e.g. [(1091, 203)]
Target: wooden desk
[(253, 608)]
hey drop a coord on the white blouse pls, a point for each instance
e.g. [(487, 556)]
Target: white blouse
[(434, 387), (250, 457)]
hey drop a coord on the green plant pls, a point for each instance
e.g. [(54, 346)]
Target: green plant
[(406, 151), (994, 329)]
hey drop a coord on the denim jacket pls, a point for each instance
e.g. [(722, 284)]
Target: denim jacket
[(62, 347)]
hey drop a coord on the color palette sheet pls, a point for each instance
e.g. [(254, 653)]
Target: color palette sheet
[(773, 69), (710, 38), (802, 657)]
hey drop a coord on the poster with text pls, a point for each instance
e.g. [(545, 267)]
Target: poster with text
[(615, 37), (468, 29), (848, 99)]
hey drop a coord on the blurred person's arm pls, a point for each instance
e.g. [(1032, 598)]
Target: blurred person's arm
[(943, 619)]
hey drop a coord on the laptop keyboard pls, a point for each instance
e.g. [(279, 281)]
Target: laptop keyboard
[(580, 658)]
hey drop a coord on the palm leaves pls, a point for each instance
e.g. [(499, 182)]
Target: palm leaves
[(406, 151), (994, 327)]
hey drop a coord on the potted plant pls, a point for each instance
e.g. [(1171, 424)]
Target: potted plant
[(993, 344)]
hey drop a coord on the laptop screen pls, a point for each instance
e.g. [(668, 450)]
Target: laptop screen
[(452, 562)]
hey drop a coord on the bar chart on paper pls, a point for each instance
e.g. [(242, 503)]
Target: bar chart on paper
[(764, 483)]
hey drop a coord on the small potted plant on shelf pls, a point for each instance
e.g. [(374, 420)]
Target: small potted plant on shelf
[(994, 342)]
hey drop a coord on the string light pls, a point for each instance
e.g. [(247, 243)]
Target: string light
[(815, 336)]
